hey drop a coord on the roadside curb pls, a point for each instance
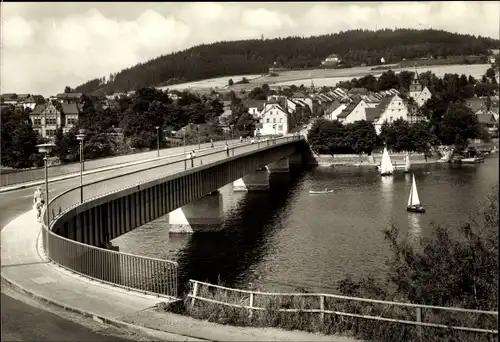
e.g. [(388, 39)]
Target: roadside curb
[(98, 318)]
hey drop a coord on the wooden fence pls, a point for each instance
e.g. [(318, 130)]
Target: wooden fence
[(317, 303)]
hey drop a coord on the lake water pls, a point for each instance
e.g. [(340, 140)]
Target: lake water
[(286, 238)]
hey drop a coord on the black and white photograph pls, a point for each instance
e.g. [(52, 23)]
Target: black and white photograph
[(249, 171)]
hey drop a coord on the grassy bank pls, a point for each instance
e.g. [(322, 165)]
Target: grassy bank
[(332, 321)]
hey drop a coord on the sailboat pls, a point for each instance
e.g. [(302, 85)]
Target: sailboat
[(386, 167), (414, 205), (407, 163)]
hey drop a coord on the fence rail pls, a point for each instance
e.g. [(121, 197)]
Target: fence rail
[(147, 275), (91, 164), (317, 303)]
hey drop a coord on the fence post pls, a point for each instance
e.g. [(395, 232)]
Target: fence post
[(195, 291), (322, 308), (419, 320), (251, 305)]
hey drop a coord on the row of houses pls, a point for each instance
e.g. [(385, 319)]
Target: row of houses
[(279, 114)]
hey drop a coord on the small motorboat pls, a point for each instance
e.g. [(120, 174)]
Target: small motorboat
[(414, 205), (320, 192)]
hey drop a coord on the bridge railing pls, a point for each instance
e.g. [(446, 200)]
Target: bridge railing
[(147, 275), (91, 164), (322, 305), (138, 175), (144, 274)]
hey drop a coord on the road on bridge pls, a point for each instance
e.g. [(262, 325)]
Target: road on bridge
[(26, 322), (25, 319)]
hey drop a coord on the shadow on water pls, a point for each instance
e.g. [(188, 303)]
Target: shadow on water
[(228, 255)]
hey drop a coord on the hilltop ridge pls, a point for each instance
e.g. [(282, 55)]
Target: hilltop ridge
[(228, 58)]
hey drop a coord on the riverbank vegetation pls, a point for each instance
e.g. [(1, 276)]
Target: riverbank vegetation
[(245, 57), (453, 268)]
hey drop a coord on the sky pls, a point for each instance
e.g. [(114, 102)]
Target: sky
[(46, 46)]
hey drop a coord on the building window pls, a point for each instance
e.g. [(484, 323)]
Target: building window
[(274, 120), (281, 120), (267, 120), (280, 127), (50, 121)]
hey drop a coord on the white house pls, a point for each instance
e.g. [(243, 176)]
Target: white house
[(334, 110), (419, 93), (255, 107), (332, 59), (273, 120), (389, 109), (356, 111)]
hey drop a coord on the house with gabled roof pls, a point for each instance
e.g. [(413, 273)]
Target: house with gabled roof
[(255, 107), (274, 119), (46, 119), (334, 109), (489, 122), (302, 98), (353, 112), (388, 110), (9, 98)]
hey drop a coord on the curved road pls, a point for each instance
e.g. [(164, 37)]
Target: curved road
[(23, 318)]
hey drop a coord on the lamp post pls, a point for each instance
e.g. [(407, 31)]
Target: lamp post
[(231, 126), (46, 149), (184, 147), (158, 141), (81, 137)]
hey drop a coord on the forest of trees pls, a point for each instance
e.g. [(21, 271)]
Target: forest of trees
[(224, 58)]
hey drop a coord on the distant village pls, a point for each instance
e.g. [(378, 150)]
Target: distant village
[(277, 115)]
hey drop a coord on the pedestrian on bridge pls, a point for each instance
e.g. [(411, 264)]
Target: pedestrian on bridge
[(193, 155), (38, 195), (39, 206), (241, 139), (211, 143), (226, 148)]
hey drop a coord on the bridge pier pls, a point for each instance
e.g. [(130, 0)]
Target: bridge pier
[(202, 215), (279, 166), (255, 181)]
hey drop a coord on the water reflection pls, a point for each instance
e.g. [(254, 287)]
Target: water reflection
[(229, 254), (414, 228), (386, 193)]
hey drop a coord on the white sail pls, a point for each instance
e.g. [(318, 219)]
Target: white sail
[(414, 199), (386, 166), (407, 163)]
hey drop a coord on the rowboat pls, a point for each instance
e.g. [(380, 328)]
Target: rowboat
[(320, 192)]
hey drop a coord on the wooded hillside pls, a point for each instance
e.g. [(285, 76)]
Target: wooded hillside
[(256, 56)]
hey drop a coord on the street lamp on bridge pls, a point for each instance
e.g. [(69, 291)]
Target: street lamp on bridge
[(81, 137), (46, 149)]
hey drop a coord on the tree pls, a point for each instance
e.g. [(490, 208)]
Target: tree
[(19, 141), (257, 93), (458, 125), (245, 126), (67, 90), (387, 80), (490, 73), (361, 136), (230, 82)]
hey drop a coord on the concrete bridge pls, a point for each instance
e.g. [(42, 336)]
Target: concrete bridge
[(187, 189)]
